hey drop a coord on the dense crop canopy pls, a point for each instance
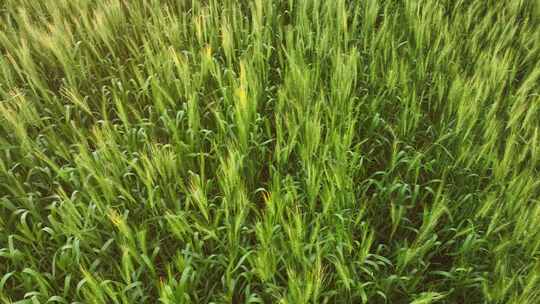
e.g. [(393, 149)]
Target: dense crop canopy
[(288, 151)]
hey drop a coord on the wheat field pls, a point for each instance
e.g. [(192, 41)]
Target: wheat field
[(258, 151)]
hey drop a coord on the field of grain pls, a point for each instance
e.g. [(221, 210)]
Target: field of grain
[(258, 151)]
